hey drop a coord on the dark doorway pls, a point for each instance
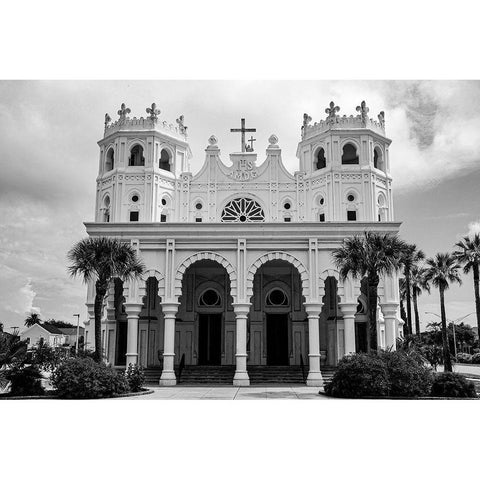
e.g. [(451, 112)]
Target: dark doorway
[(209, 339), (121, 344), (361, 339), (277, 339)]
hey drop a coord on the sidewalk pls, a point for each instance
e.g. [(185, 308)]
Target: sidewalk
[(285, 392)]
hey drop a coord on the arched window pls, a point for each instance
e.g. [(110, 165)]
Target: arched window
[(378, 159), (382, 208), (164, 162), (136, 157), (243, 210), (321, 161), (110, 160), (351, 207), (106, 209), (349, 155)]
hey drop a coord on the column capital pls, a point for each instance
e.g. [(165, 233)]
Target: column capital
[(313, 309), (241, 308), (170, 307), (133, 308), (389, 309), (348, 309)]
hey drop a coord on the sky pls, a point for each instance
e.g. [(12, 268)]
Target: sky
[(49, 163)]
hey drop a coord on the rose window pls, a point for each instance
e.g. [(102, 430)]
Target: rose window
[(243, 210)]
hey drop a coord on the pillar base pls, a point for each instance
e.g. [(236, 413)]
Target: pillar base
[(241, 379), (167, 379), (314, 379)]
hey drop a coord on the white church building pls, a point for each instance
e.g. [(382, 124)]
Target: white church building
[(239, 272)]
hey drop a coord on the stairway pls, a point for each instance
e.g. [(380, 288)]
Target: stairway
[(223, 374)]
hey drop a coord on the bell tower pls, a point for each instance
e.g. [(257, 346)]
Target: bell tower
[(346, 162), (140, 162)]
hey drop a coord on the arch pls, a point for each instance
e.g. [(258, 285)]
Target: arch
[(110, 159), (278, 255), (136, 158), (382, 207), (349, 153), (378, 158), (165, 160), (143, 283), (106, 207), (320, 160), (243, 209), (206, 255)]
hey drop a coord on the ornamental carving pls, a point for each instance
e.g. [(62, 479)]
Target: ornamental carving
[(243, 210), (245, 170)]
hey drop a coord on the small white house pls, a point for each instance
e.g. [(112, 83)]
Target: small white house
[(50, 334), (71, 334)]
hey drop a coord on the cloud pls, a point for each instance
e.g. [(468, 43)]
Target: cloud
[(473, 228), (21, 294)]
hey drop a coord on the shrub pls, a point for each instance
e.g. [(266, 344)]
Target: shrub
[(450, 384), (25, 381), (464, 358), (358, 376), (84, 378), (134, 377), (476, 358), (407, 374)]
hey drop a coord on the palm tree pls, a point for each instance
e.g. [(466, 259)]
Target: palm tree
[(403, 313), (102, 259), (441, 271), (469, 257), (32, 319), (418, 284), (370, 255), (411, 256)]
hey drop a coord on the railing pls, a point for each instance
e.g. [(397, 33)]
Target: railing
[(302, 366), (181, 367)]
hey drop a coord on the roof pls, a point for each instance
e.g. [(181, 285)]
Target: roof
[(51, 329), (71, 330)]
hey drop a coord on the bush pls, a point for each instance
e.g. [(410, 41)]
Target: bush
[(134, 377), (464, 358), (476, 358), (407, 374), (357, 376), (84, 378), (25, 381), (450, 384)]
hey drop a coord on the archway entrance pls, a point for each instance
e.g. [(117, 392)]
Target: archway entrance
[(278, 332), (205, 327)]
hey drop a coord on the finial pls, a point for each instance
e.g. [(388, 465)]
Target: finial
[(123, 112), (153, 111), (212, 140), (381, 119), (363, 109), (107, 120), (181, 126), (273, 140), (332, 113), (306, 120)]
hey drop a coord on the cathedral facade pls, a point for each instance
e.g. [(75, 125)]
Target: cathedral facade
[(239, 269)]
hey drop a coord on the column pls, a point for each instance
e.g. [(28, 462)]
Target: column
[(133, 311), (168, 378), (240, 378), (314, 378), (348, 312), (389, 311)]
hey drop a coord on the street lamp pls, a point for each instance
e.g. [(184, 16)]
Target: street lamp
[(453, 328), (78, 326)]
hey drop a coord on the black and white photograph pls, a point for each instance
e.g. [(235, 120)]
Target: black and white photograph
[(202, 242)]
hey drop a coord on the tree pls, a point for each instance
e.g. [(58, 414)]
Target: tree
[(411, 256), (403, 313), (59, 323), (371, 255), (469, 257), (418, 283), (32, 319), (102, 259), (441, 271)]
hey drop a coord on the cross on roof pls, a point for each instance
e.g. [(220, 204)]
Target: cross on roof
[(251, 140), (243, 130)]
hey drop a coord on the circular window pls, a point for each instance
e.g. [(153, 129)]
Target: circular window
[(243, 210), (321, 200), (164, 201), (198, 206), (351, 198), (287, 206), (135, 198), (209, 298), (277, 298)]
